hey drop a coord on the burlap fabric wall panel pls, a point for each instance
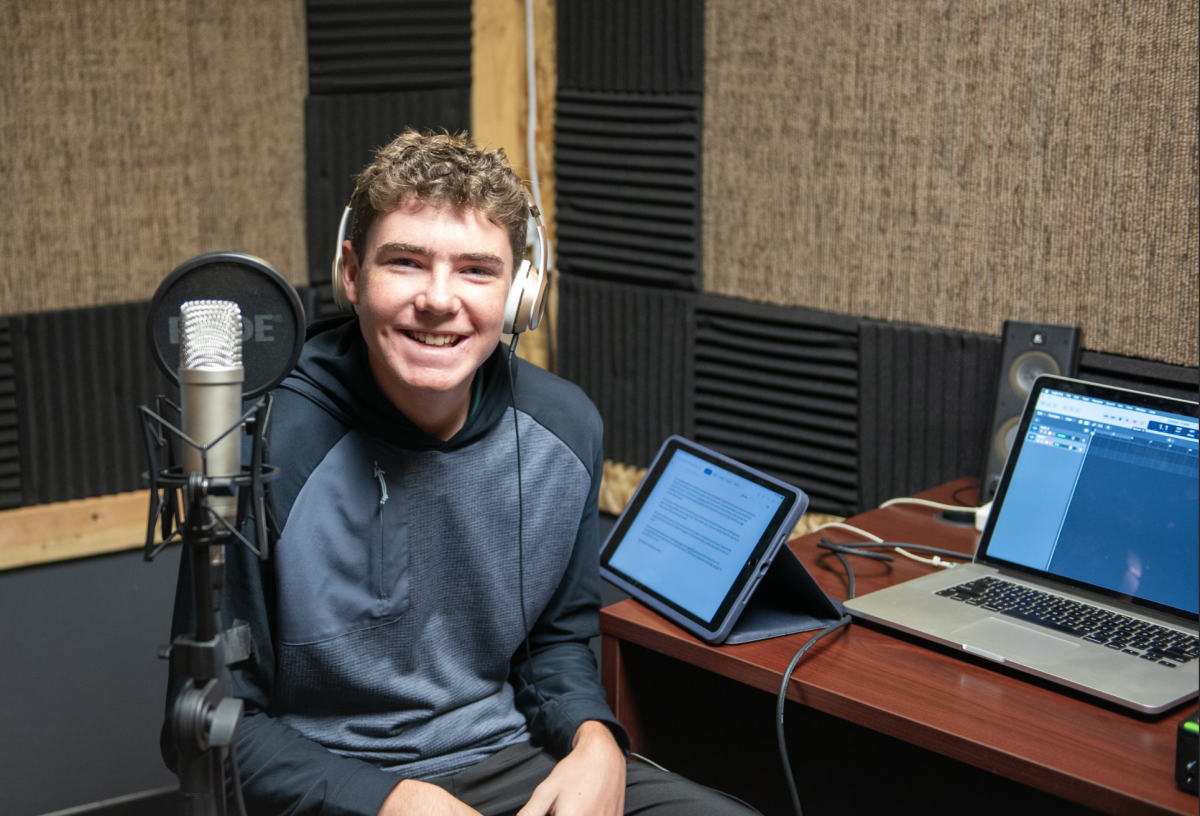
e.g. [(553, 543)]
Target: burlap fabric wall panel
[(959, 163), (136, 134)]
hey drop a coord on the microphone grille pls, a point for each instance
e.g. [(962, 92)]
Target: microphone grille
[(210, 334)]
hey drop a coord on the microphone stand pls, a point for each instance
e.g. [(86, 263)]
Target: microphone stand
[(205, 716)]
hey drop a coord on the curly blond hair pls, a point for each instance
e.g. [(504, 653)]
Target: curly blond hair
[(440, 170)]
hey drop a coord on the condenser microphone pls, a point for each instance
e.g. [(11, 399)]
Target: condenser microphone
[(272, 317), (263, 334), (210, 393)]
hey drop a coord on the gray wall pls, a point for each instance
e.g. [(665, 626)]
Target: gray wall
[(81, 687)]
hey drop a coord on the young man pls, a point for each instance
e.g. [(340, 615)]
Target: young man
[(393, 675)]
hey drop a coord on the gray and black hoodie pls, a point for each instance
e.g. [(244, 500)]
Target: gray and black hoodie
[(387, 623)]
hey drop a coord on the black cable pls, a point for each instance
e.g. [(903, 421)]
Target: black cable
[(841, 551), (859, 548), (512, 395), (966, 505), (779, 702), (849, 549), (919, 547), (849, 575)]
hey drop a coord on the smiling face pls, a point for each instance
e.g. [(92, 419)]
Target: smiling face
[(430, 295)]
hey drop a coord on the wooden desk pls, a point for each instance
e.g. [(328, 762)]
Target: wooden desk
[(708, 711)]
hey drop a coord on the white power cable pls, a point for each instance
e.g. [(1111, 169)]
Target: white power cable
[(981, 513), (545, 264), (856, 530), (926, 503), (531, 124), (936, 561)]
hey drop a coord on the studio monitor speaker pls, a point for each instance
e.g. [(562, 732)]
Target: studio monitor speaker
[(1028, 351)]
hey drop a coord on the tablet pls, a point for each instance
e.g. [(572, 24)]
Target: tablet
[(698, 536)]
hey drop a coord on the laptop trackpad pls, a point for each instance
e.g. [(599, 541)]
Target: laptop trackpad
[(1013, 641)]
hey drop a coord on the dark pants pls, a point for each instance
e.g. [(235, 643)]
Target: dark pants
[(503, 783)]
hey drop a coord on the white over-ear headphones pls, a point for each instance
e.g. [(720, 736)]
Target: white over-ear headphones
[(526, 296)]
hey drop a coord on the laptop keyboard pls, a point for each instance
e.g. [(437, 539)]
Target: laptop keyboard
[(1148, 641)]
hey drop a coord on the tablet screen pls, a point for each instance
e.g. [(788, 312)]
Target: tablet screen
[(694, 529)]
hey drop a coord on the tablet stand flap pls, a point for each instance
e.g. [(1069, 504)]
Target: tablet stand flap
[(786, 601)]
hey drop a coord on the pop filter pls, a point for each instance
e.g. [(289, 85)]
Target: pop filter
[(272, 317)]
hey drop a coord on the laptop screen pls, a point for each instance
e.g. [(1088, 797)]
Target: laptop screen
[(1104, 495)]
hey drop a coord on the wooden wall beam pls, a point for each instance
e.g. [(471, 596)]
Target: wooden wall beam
[(44, 533), (500, 109)]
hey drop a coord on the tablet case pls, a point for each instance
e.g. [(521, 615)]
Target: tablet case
[(787, 600)]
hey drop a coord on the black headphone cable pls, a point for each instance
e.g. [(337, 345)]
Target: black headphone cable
[(512, 395)]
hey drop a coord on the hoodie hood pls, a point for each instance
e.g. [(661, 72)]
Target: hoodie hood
[(334, 373)]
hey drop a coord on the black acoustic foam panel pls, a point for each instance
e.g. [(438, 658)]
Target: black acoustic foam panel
[(388, 45), (626, 347), (628, 173), (10, 452), (341, 135), (79, 377), (925, 407), (777, 388), (319, 303), (1168, 380), (652, 46)]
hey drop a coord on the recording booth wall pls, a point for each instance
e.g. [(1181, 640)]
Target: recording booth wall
[(920, 173), (962, 165), (139, 135)]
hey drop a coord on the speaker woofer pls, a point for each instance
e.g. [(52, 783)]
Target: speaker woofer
[(1028, 367), (1005, 436)]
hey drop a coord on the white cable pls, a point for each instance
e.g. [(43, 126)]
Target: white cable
[(852, 529), (531, 125), (545, 264), (980, 513), (648, 761), (925, 503), (936, 561)]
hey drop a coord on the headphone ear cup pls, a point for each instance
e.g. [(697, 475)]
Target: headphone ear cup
[(513, 322), (339, 288), (537, 289), (526, 299), (339, 284)]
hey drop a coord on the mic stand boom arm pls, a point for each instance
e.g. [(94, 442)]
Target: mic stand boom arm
[(205, 717)]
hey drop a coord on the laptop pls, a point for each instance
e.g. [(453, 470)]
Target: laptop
[(1087, 571)]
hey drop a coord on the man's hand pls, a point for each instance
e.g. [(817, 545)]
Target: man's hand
[(589, 781), (413, 798)]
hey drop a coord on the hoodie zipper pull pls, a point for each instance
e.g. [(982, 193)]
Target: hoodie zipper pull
[(379, 474)]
